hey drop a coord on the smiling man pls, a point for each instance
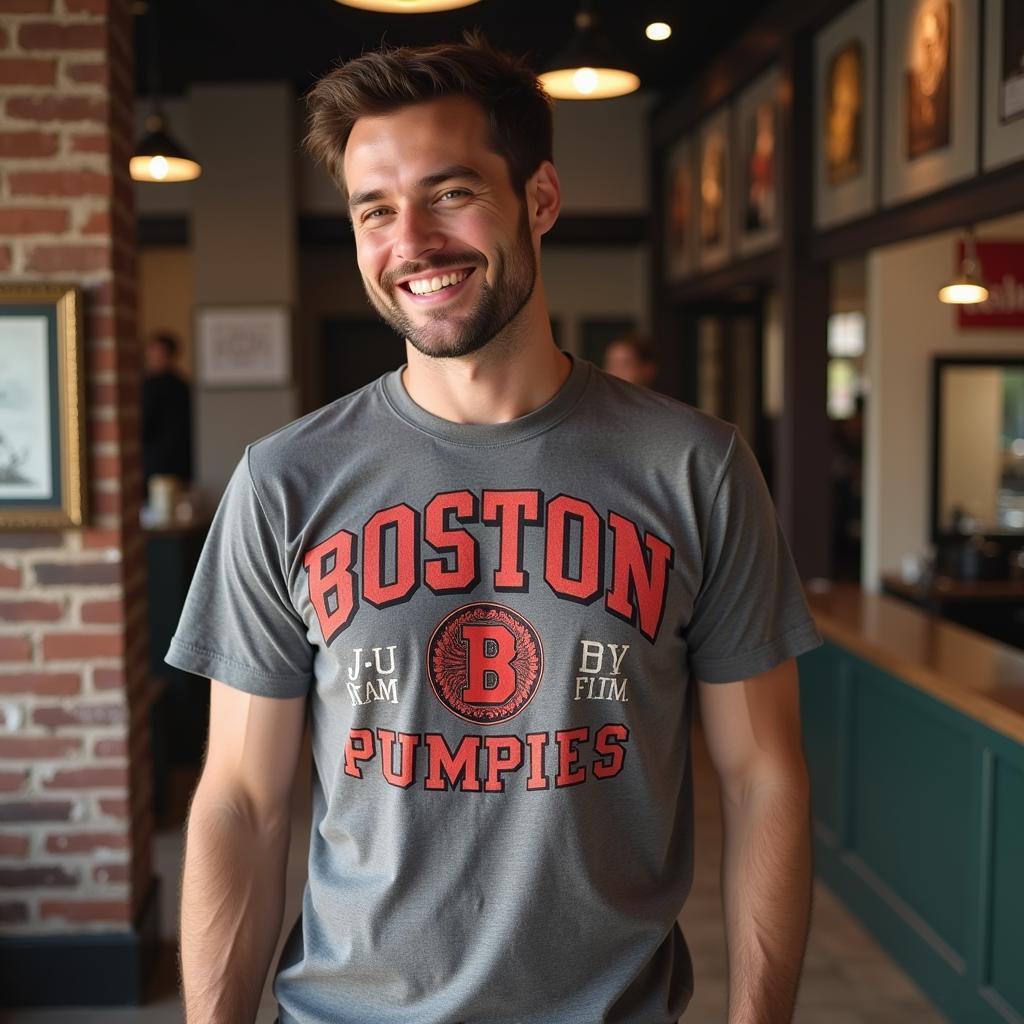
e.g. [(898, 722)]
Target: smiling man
[(495, 580)]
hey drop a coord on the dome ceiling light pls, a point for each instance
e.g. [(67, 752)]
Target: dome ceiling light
[(968, 287), (407, 6)]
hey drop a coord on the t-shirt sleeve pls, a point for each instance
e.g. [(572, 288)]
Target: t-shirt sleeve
[(239, 624), (750, 613)]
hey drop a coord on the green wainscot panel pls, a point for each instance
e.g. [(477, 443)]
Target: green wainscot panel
[(912, 800), (822, 672), (1007, 903)]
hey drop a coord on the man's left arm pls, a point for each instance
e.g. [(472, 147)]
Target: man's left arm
[(752, 729)]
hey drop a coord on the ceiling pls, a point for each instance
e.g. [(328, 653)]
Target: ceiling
[(299, 40)]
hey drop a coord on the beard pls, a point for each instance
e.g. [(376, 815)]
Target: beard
[(446, 335)]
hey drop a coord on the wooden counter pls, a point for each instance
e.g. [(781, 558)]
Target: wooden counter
[(977, 676)]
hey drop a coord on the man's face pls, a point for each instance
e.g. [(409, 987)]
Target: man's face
[(158, 359), (432, 203)]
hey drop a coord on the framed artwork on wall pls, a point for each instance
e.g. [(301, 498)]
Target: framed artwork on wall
[(930, 96), (244, 346), (845, 102), (42, 406), (758, 194), (680, 210), (714, 173), (1003, 87)]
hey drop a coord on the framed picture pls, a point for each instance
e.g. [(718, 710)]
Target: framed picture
[(42, 401), (680, 211), (931, 95), (244, 346), (713, 173), (845, 73), (1003, 120), (758, 195)]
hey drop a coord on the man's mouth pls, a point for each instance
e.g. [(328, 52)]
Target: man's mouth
[(431, 284)]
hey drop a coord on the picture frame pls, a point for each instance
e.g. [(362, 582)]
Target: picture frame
[(244, 346), (714, 179), (845, 116), (681, 210), (1003, 87), (758, 177), (42, 407), (930, 93)]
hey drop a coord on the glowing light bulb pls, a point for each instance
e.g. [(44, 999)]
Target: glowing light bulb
[(585, 80), (658, 31), (158, 168)]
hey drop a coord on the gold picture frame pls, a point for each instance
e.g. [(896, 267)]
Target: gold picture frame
[(42, 406)]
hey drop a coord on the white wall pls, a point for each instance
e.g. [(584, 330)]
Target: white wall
[(907, 326)]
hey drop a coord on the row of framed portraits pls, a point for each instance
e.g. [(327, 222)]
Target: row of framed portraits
[(911, 96)]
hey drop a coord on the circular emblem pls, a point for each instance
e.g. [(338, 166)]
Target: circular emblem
[(485, 663)]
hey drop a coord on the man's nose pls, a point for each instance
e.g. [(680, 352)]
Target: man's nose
[(416, 234)]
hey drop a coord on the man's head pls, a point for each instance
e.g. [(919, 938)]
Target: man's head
[(631, 358), (443, 155), (161, 352)]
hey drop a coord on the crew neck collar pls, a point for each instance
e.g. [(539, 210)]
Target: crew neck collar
[(520, 429)]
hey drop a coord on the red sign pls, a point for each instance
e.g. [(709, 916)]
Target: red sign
[(1001, 267)]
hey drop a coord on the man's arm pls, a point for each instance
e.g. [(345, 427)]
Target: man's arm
[(236, 851), (752, 728)]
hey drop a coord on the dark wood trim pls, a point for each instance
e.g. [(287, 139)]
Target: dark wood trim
[(100, 969), (162, 232), (735, 282)]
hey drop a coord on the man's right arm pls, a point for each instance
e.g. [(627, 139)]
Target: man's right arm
[(236, 851)]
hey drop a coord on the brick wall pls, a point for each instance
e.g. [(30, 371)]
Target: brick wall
[(75, 817)]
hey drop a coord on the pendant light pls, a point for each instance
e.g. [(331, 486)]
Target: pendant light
[(587, 69), (158, 157), (408, 6), (968, 287)]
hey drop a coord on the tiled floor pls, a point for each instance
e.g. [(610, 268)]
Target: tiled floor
[(847, 978)]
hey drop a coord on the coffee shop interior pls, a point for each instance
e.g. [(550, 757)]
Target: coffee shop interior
[(814, 213)]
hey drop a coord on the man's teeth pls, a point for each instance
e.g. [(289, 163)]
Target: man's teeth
[(424, 286)]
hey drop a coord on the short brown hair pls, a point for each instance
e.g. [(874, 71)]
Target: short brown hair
[(517, 108)]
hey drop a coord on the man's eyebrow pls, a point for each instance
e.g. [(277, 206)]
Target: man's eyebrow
[(430, 181)]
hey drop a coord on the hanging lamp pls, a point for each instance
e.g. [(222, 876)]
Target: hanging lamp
[(968, 287), (408, 6), (159, 157), (588, 69)]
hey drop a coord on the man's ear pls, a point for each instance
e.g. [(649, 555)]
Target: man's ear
[(543, 198)]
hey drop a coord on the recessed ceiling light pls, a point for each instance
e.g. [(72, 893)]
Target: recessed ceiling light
[(658, 31)]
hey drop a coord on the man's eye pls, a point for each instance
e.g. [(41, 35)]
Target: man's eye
[(375, 214), (456, 193)]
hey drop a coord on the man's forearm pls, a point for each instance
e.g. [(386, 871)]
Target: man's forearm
[(766, 891), (232, 902)]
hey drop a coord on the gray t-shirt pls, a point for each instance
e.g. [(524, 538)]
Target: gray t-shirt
[(496, 626)]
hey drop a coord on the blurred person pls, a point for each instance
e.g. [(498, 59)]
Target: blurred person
[(495, 580), (166, 412), (631, 358)]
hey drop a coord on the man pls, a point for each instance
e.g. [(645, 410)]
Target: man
[(166, 412), (631, 358), (491, 576)]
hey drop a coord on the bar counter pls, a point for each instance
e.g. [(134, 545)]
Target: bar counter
[(914, 736)]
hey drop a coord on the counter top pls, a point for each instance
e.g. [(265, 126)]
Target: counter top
[(977, 676)]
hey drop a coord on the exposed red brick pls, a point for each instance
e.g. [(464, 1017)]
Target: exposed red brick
[(28, 144), (48, 35), (10, 576), (89, 143), (13, 913), (27, 540), (86, 910), (86, 6), (110, 748), (80, 714), (3, 38), (45, 684), (13, 846), (33, 220), (31, 878), (101, 538), (108, 678), (98, 223), (112, 873), (93, 73), (57, 108), (15, 648), (11, 782), (27, 71), (5, 257), (36, 810), (106, 467), (113, 807), (86, 842), (77, 259), (88, 778), (27, 747), (58, 183), (102, 611), (62, 646), (106, 503), (50, 573), (30, 611), (26, 6)]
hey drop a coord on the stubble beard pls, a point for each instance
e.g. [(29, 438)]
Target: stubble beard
[(447, 336)]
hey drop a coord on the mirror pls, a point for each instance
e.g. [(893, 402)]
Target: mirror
[(978, 449)]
